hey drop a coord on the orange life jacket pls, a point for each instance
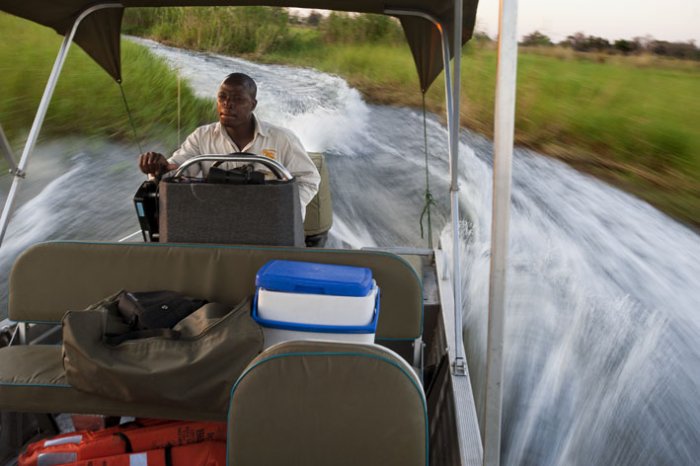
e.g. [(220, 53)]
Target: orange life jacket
[(211, 453), (139, 436)]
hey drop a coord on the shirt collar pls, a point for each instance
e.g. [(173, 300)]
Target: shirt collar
[(260, 128)]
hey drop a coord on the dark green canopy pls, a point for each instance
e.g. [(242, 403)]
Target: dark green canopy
[(98, 33)]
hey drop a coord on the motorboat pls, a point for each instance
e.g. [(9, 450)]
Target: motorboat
[(407, 398)]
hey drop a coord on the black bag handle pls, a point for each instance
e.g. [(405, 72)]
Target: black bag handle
[(139, 334)]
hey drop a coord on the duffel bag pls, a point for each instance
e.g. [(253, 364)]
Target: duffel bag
[(193, 365)]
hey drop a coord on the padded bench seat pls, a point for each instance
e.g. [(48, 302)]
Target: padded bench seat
[(32, 381), (51, 278)]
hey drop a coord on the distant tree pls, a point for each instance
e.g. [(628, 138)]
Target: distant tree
[(626, 47), (644, 41), (314, 18), (598, 44), (575, 41), (682, 50), (376, 27), (536, 39), (480, 36), (295, 18), (583, 43), (348, 28)]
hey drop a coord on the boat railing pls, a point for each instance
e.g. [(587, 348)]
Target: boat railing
[(279, 170)]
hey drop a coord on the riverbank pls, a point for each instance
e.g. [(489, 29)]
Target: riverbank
[(87, 100), (629, 122)]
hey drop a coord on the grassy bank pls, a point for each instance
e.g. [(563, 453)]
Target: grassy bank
[(631, 121), (87, 101)]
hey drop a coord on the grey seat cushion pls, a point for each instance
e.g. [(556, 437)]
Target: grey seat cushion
[(320, 403)]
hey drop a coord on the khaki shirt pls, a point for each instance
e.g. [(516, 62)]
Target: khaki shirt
[(269, 140)]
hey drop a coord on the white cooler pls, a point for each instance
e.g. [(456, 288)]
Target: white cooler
[(310, 301)]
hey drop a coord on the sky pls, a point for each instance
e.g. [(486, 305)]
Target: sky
[(671, 20)]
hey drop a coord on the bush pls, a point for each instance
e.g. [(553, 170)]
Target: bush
[(346, 28), (536, 39), (233, 30)]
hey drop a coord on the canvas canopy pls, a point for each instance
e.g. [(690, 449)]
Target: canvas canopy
[(99, 33)]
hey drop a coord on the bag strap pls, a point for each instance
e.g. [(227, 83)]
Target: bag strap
[(138, 334)]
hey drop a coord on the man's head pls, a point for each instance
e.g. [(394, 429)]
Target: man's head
[(235, 100)]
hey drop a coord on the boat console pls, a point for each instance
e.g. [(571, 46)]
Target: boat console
[(234, 209)]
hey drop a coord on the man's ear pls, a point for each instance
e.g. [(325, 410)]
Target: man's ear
[(255, 104)]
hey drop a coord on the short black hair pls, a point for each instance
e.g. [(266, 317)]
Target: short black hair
[(240, 79)]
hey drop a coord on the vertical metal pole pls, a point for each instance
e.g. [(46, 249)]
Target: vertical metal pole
[(503, 153), (448, 87), (7, 152), (34, 133), (41, 114), (452, 96), (460, 365)]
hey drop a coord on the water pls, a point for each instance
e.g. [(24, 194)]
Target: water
[(602, 357)]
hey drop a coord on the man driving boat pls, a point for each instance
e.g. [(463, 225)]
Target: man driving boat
[(238, 130)]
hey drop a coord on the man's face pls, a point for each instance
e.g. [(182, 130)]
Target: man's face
[(235, 105)]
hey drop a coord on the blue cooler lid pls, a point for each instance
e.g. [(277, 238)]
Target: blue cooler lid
[(313, 278)]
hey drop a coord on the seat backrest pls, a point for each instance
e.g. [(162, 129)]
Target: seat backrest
[(220, 213), (319, 212), (50, 278), (318, 403)]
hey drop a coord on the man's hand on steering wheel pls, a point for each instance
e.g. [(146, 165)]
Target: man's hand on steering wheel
[(153, 163)]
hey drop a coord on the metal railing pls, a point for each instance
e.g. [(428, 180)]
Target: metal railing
[(279, 170)]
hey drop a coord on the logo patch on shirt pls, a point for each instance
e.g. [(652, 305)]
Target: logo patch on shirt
[(270, 153)]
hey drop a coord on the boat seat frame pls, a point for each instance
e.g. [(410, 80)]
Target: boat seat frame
[(51, 278)]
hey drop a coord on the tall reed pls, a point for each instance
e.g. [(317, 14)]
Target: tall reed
[(87, 101)]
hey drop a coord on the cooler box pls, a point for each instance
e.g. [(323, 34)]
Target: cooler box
[(309, 301)]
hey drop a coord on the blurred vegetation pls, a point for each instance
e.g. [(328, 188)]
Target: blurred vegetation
[(226, 30), (631, 120), (626, 112), (638, 45), (87, 100), (347, 29), (647, 45), (628, 115)]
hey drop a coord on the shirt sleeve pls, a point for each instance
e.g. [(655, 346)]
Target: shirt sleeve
[(298, 162), (190, 148)]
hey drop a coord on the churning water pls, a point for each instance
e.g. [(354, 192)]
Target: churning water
[(603, 320)]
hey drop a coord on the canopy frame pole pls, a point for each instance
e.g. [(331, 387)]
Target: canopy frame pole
[(20, 170), (9, 155), (504, 126), (452, 88), (460, 364)]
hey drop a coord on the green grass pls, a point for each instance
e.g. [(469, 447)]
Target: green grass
[(87, 101), (632, 121)]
